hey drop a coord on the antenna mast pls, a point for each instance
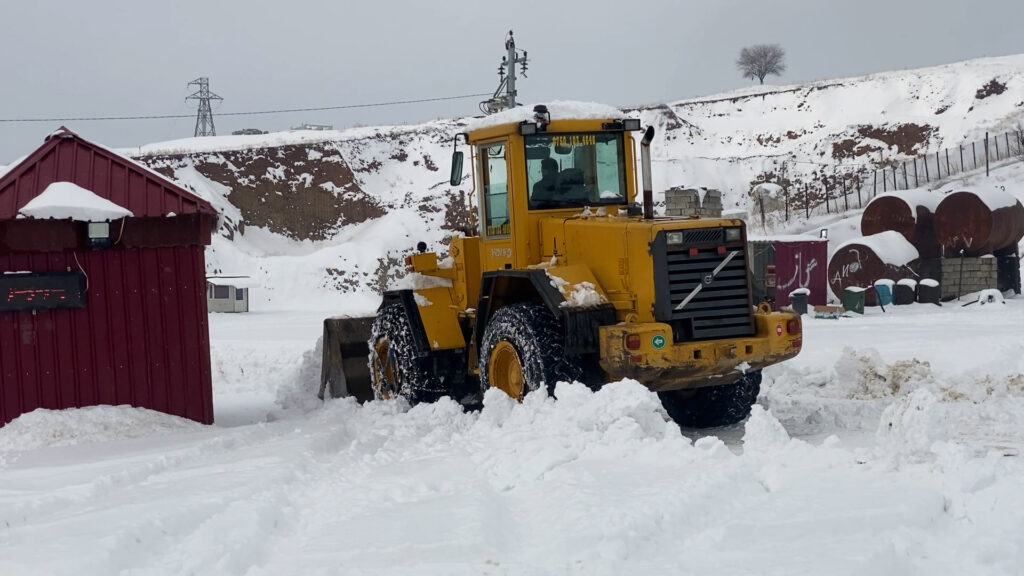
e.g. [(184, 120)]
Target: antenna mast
[(204, 118), (507, 74)]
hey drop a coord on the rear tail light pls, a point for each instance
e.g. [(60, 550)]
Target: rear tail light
[(794, 327), (632, 341)]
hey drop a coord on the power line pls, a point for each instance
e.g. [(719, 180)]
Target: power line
[(254, 113)]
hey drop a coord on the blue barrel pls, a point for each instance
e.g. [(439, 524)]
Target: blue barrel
[(884, 288)]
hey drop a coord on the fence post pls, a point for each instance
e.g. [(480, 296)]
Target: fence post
[(807, 201), (938, 168), (1008, 149), (986, 153), (906, 184), (895, 185), (996, 140), (916, 182), (874, 188), (846, 198), (948, 172), (962, 167), (927, 174), (974, 154), (824, 182)]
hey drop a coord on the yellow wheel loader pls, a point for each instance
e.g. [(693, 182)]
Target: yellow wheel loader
[(567, 277)]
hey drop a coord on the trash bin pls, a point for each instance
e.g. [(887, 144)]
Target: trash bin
[(798, 300), (929, 292), (853, 299), (905, 292), (884, 289)]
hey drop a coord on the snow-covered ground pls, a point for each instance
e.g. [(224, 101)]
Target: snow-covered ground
[(891, 445)]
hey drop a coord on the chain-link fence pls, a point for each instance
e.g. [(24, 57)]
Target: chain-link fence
[(851, 187)]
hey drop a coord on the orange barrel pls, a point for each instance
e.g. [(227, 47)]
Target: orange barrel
[(909, 212), (979, 222), (859, 262)]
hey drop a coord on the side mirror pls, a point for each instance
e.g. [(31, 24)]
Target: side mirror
[(456, 178)]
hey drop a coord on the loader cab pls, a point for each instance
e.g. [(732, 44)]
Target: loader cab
[(530, 170)]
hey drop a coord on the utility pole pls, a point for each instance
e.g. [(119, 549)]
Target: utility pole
[(204, 118), (507, 74)]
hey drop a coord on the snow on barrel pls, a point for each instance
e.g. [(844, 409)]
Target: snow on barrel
[(979, 222), (862, 261), (909, 212)]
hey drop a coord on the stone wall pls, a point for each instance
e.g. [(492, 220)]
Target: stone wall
[(693, 203), (978, 274)]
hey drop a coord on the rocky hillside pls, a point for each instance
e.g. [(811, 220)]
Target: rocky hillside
[(317, 193)]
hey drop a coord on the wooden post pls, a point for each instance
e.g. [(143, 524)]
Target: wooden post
[(996, 140), (807, 201), (938, 169), (846, 198), (874, 189), (948, 171), (986, 154), (962, 167), (906, 183), (916, 183), (927, 175), (974, 154)]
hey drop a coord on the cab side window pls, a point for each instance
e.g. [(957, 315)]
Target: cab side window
[(494, 175)]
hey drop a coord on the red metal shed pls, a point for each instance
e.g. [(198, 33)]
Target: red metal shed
[(125, 323), (781, 264)]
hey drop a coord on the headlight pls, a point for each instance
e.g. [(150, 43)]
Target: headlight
[(673, 238), (732, 234)]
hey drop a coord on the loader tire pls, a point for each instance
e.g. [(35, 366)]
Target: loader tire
[(395, 369), (714, 406), (522, 349)]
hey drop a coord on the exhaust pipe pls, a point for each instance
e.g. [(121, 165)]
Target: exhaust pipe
[(645, 166)]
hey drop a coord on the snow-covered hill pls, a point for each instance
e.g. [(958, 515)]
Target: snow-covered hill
[(332, 212)]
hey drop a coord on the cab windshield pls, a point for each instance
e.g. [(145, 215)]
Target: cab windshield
[(576, 169)]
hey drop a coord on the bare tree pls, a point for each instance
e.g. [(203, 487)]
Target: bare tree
[(761, 60)]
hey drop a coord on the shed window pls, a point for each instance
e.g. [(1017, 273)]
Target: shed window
[(221, 293), (239, 293)]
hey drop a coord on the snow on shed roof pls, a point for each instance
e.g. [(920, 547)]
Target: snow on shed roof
[(236, 281), (64, 155), (64, 200)]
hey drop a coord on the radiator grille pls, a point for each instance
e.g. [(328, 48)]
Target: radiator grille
[(722, 307)]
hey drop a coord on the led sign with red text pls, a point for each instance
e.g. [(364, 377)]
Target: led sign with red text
[(41, 291)]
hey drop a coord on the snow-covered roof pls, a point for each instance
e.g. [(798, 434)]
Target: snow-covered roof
[(65, 200), (994, 196), (559, 110), (913, 198), (786, 238), (890, 246), (236, 281)]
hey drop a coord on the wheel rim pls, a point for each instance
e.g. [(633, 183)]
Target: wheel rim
[(505, 370), (385, 372)]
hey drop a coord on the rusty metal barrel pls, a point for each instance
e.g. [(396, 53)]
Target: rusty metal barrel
[(979, 222), (911, 213), (860, 262)]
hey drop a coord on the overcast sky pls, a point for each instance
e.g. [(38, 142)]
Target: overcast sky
[(73, 58)]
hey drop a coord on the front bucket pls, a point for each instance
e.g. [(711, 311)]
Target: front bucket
[(344, 370)]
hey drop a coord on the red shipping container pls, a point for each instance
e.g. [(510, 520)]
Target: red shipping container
[(781, 264)]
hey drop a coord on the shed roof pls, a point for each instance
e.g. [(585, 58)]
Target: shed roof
[(67, 157)]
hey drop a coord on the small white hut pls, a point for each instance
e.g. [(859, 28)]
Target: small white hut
[(228, 293)]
